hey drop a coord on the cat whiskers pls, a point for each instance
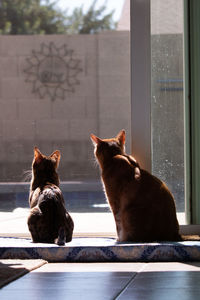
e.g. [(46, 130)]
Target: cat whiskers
[(94, 161), (27, 175)]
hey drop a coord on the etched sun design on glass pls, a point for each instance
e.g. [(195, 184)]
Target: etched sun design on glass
[(53, 71)]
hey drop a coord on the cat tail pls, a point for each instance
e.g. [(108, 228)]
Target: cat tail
[(62, 221), (61, 236), (65, 231), (50, 208), (66, 227)]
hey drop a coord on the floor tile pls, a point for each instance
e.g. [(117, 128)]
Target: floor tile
[(73, 281), (172, 266), (166, 281), (92, 267), (160, 294)]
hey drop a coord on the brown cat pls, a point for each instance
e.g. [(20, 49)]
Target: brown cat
[(142, 205), (48, 220)]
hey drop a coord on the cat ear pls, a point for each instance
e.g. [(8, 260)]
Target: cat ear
[(95, 139), (56, 156), (121, 137), (37, 155)]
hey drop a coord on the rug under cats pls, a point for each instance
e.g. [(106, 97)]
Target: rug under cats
[(11, 269), (101, 249)]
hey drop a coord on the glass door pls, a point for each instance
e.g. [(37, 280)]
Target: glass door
[(167, 97)]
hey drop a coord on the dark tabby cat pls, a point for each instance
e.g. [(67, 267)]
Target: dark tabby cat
[(142, 205), (48, 221)]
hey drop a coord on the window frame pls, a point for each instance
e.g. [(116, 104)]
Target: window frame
[(192, 11), (141, 75)]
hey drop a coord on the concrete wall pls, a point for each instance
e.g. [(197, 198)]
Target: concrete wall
[(54, 92)]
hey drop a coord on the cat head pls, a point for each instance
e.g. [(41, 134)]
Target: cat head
[(107, 148), (41, 159), (44, 167)]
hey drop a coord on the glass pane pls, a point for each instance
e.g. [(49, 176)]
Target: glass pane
[(57, 89), (167, 96)]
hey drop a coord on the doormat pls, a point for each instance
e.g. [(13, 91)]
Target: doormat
[(11, 269)]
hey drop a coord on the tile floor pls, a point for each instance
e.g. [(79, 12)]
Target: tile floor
[(103, 281)]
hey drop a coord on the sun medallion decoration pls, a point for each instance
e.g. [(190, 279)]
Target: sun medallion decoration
[(53, 71)]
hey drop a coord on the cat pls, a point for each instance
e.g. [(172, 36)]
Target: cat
[(142, 205), (48, 221)]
